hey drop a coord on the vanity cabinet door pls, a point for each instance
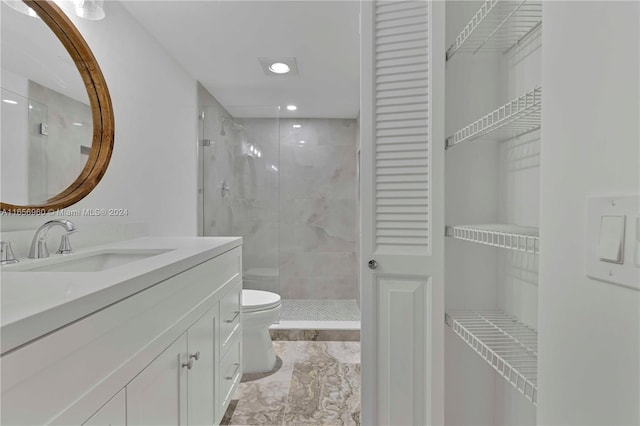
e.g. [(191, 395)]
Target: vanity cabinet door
[(113, 413), (157, 396), (202, 377)]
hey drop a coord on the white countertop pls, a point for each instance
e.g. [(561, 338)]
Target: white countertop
[(36, 303)]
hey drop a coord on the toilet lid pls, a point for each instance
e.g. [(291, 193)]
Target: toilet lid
[(262, 273), (258, 300)]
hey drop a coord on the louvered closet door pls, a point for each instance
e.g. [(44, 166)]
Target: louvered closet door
[(402, 229)]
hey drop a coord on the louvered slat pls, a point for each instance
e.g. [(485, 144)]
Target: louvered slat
[(407, 209), (401, 244), (401, 194), (404, 224), (392, 155), (401, 162), (394, 6), (400, 217), (397, 147), (408, 12), (402, 126), (400, 170), (401, 53), (408, 179), (399, 185), (400, 202)]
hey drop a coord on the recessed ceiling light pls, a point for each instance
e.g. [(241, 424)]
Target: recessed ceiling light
[(78, 124), (12, 102), (279, 68), (296, 126), (302, 142), (291, 107), (275, 66)]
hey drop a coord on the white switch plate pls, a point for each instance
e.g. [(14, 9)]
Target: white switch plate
[(627, 273)]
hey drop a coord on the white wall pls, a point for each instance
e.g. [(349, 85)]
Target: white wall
[(153, 169), (589, 331)]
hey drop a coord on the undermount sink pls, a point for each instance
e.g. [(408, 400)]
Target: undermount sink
[(89, 262)]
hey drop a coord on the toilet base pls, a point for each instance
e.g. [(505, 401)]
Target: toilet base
[(258, 355)]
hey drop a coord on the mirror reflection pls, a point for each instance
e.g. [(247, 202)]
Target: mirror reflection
[(47, 126)]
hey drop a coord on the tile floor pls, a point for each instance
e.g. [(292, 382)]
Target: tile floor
[(314, 383)]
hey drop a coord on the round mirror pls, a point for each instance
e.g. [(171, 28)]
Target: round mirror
[(57, 118)]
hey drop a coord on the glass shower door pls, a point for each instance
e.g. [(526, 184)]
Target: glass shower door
[(240, 186)]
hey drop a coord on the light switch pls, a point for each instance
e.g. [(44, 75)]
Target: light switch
[(611, 243), (612, 240)]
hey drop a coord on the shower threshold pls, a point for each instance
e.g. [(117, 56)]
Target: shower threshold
[(316, 325), (318, 314)]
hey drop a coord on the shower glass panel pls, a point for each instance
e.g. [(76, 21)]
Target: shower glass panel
[(241, 186)]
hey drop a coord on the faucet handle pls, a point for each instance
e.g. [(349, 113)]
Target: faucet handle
[(65, 244), (6, 254)]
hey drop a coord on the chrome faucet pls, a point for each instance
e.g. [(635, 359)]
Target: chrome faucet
[(39, 244), (6, 254)]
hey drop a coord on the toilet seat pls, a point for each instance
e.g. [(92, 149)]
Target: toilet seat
[(257, 300)]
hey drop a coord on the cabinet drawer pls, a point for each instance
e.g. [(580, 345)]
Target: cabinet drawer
[(230, 312), (230, 370)]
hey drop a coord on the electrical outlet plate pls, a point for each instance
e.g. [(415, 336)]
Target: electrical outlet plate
[(626, 273)]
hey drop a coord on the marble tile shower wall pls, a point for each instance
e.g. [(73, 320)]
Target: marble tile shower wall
[(217, 164), (318, 209), (295, 206)]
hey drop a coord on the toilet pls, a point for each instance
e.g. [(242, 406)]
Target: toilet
[(260, 309)]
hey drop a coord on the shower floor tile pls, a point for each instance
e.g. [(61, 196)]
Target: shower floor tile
[(320, 310)]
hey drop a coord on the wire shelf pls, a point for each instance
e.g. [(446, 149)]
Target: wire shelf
[(509, 346), (512, 237), (516, 118), (498, 26)]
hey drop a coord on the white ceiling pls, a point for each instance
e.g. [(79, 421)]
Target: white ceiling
[(219, 43)]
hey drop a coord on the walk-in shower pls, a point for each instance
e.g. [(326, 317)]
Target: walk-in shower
[(288, 187)]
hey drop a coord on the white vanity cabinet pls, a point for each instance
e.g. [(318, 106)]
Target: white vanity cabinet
[(179, 386), (155, 357), (113, 413), (202, 378), (230, 346), (156, 396)]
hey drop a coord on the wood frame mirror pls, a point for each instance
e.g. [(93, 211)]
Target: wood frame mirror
[(101, 111)]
